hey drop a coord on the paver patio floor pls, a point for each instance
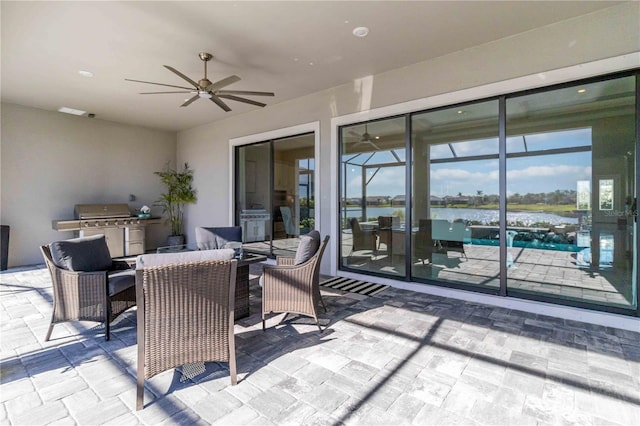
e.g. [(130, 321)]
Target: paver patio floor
[(399, 357)]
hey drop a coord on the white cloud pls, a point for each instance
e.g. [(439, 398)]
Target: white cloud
[(558, 171)]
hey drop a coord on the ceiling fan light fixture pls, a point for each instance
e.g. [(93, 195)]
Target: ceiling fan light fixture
[(361, 31), (205, 95), (71, 111)]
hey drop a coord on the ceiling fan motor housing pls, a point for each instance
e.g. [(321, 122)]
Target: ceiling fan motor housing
[(204, 83)]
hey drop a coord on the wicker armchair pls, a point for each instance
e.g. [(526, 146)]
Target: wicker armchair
[(363, 239), (293, 288), (185, 313), (100, 295)]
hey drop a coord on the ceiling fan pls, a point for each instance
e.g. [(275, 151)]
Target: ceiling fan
[(365, 139), (207, 90)]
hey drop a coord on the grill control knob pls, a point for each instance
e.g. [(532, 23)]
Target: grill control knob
[(96, 224)]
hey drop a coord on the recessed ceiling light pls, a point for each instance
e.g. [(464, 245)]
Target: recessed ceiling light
[(582, 90), (360, 31), (85, 73), (311, 63), (460, 111), (71, 111), (377, 137)]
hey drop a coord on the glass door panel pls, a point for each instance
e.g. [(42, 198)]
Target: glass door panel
[(253, 195), (372, 206), (571, 194), (455, 229)]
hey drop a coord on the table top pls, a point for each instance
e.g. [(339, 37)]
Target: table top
[(245, 259)]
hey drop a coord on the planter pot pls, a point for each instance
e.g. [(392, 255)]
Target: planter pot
[(175, 240)]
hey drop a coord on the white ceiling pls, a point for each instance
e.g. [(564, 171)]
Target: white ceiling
[(270, 45)]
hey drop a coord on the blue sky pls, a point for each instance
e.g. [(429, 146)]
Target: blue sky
[(535, 174)]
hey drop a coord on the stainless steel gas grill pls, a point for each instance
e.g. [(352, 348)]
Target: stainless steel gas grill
[(125, 234)]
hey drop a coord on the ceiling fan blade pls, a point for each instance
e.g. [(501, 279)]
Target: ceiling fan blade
[(222, 83), (161, 93), (219, 102), (244, 92), (178, 73), (246, 101), (374, 145), (159, 84), (190, 100)]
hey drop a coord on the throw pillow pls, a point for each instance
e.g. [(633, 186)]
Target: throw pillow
[(308, 246), (85, 254)]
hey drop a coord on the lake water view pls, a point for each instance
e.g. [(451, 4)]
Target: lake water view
[(483, 216)]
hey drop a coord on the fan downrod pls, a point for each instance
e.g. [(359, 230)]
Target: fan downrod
[(205, 56)]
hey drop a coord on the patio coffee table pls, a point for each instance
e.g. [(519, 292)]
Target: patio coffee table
[(242, 276)]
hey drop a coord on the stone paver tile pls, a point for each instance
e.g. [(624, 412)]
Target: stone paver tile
[(241, 416), (485, 412), (101, 412), (406, 407), (313, 374), (44, 414), (22, 403), (62, 389), (295, 414), (329, 360), (325, 397), (128, 419), (158, 411), (266, 377), (358, 371), (216, 406), (15, 389), (184, 417), (289, 363), (432, 415), (244, 390), (271, 404), (527, 383)]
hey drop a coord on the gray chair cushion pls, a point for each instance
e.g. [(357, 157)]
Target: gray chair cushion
[(121, 280), (216, 237), (308, 246), (82, 254), (147, 260)]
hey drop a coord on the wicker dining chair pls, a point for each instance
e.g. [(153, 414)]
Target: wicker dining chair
[(87, 284), (293, 284), (185, 312)]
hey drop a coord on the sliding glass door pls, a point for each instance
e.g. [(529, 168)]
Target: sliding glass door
[(571, 185), (275, 193), (532, 195), (372, 197), (455, 196)]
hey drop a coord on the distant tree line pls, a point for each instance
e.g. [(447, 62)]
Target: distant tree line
[(557, 197)]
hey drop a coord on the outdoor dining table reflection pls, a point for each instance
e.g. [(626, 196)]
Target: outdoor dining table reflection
[(242, 275)]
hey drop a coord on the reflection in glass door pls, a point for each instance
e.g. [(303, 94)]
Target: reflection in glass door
[(253, 193), (571, 194), (275, 193), (455, 196), (372, 197)]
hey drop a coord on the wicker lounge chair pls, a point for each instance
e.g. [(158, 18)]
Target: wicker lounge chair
[(293, 284), (87, 284), (185, 312)]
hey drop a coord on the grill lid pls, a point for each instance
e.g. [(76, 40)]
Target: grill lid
[(97, 211)]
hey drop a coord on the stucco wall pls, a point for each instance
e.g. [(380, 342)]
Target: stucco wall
[(52, 161), (605, 34)]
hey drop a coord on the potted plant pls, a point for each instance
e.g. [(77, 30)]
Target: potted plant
[(179, 192)]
